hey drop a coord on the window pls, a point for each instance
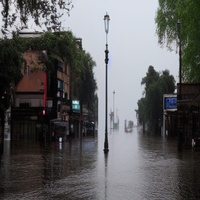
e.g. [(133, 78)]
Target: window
[(26, 69), (60, 66), (60, 84)]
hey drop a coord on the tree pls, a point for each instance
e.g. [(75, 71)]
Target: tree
[(88, 82), (141, 112), (188, 12), (10, 70), (150, 107), (84, 83), (151, 77), (45, 12), (10, 73)]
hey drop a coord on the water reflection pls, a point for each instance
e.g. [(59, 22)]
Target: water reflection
[(106, 175), (138, 166), (32, 170)]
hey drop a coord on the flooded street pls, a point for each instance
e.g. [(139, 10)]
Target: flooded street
[(137, 167)]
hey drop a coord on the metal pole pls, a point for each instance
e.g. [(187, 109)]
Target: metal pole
[(180, 89), (106, 149), (180, 59)]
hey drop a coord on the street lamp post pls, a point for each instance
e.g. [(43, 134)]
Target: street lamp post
[(106, 22), (180, 58), (180, 132)]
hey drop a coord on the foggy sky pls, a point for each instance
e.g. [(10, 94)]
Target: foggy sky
[(133, 47)]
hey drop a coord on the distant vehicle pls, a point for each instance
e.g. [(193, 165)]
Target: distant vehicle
[(128, 126), (88, 128)]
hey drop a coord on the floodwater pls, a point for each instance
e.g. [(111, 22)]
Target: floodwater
[(138, 166)]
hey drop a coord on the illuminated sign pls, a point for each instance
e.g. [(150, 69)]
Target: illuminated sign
[(75, 106), (170, 103)]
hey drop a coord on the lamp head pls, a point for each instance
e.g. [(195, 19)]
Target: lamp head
[(106, 22)]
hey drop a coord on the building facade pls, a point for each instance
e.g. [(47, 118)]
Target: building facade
[(42, 100)]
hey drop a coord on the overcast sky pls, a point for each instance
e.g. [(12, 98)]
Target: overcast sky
[(133, 47)]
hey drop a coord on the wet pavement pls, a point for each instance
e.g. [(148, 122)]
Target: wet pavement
[(137, 167)]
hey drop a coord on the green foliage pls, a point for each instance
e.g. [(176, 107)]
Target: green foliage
[(141, 112), (57, 45), (10, 70), (188, 12), (150, 107), (46, 13), (151, 77), (84, 80), (10, 60)]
